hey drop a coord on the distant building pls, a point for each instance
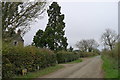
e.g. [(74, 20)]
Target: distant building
[(18, 40)]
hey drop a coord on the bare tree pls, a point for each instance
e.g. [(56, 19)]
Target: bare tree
[(92, 44), (82, 45), (109, 38), (87, 45)]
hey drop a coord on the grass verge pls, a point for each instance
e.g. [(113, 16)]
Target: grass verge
[(110, 67), (76, 61), (40, 73)]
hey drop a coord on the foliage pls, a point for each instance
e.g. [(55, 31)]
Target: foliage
[(110, 67), (64, 56), (16, 58), (40, 73), (19, 15), (88, 54), (7, 68), (38, 39), (75, 61), (87, 45), (53, 36), (70, 49), (111, 62), (114, 53)]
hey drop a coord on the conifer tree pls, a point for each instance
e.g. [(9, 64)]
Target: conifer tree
[(55, 28), (53, 36)]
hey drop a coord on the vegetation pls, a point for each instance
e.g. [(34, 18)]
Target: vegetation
[(87, 45), (75, 61), (70, 49), (110, 62), (109, 38), (49, 47), (19, 15), (88, 54), (110, 67), (53, 36), (40, 73), (64, 56), (17, 58)]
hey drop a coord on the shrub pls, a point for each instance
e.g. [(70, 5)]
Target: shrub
[(64, 56), (88, 54), (16, 58), (115, 53), (7, 68)]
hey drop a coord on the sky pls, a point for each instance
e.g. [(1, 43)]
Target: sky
[(84, 19)]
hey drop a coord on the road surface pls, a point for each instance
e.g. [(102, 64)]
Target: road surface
[(89, 68)]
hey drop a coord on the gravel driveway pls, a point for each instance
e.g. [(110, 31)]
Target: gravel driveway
[(89, 68)]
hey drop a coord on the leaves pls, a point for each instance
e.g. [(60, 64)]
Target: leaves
[(53, 36), (20, 15)]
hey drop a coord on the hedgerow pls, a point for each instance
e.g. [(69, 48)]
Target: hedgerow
[(88, 54), (18, 58), (64, 56), (111, 62)]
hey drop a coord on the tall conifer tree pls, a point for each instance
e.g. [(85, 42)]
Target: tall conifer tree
[(54, 33), (55, 28)]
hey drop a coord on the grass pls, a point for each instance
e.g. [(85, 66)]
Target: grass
[(40, 73), (76, 61), (110, 67)]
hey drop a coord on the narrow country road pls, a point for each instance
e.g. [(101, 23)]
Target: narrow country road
[(89, 68)]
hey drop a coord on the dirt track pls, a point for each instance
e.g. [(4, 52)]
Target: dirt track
[(89, 68)]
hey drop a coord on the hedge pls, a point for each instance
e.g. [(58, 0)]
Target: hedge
[(64, 56), (88, 54), (17, 58)]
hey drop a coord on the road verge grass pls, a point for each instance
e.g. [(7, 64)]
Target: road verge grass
[(110, 67), (40, 73)]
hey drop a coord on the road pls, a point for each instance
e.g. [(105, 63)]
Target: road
[(89, 68)]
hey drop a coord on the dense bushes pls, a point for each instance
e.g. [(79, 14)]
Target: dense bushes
[(16, 58), (110, 62), (63, 56), (115, 53), (88, 54)]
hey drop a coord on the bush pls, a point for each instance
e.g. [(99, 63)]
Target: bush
[(16, 58), (64, 56), (111, 62), (7, 68), (88, 54), (45, 58), (115, 53)]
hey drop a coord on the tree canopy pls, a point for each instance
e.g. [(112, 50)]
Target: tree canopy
[(19, 15), (87, 45), (53, 36)]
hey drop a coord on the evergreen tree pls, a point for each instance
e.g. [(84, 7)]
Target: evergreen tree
[(37, 40), (53, 36), (55, 28), (71, 49)]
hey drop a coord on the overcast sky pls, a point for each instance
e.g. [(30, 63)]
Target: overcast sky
[(84, 20)]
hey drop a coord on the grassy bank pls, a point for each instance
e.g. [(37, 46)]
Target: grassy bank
[(76, 61), (110, 67), (40, 73)]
